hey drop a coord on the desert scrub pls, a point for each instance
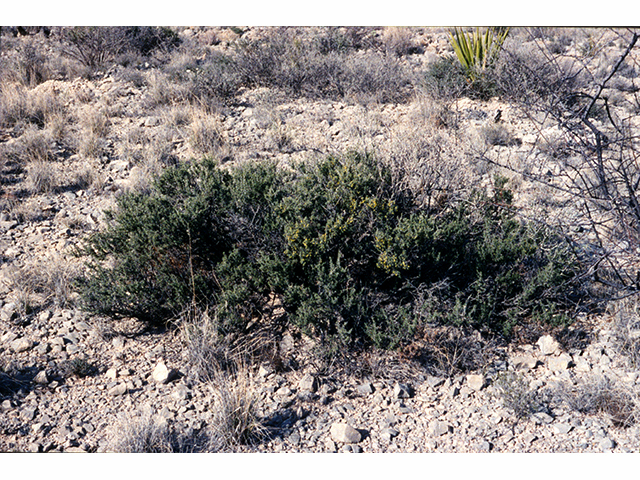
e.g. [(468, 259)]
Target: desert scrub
[(345, 249)]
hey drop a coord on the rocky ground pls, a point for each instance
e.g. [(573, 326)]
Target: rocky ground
[(75, 381)]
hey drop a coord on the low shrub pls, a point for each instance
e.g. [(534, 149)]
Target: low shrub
[(93, 46), (350, 255)]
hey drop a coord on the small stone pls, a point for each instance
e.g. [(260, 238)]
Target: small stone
[(329, 445), (388, 433), (118, 342), (524, 362), (401, 390), (559, 363), (607, 444), (562, 428), (6, 405), (35, 448), (548, 345), (581, 364), (21, 345), (265, 370), (485, 446), (542, 417), (71, 349), (28, 414), (475, 382), (181, 393), (294, 438), (344, 433), (434, 382), (162, 374), (439, 428), (75, 450), (365, 388), (41, 378), (118, 390), (43, 349), (111, 374), (307, 383)]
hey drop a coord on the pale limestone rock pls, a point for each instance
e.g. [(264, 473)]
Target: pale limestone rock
[(162, 374), (559, 363), (344, 433), (476, 382), (548, 345)]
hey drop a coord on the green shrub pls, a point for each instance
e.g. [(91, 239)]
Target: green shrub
[(346, 251)]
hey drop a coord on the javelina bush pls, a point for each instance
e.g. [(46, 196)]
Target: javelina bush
[(336, 240)]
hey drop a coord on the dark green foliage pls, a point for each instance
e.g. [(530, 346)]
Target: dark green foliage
[(355, 261)]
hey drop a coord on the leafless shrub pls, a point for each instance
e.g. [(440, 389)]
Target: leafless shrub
[(493, 134), (449, 351), (517, 395), (27, 65), (569, 91), (429, 165), (398, 41)]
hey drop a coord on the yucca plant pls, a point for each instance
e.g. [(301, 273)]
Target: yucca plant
[(477, 51)]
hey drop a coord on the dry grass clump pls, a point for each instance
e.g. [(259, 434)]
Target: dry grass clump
[(206, 136), (517, 395), (152, 434), (19, 105), (601, 396), (47, 282), (493, 134), (41, 177), (627, 331), (236, 419), (206, 348), (95, 128)]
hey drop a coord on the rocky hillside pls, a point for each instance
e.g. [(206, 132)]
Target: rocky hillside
[(82, 125)]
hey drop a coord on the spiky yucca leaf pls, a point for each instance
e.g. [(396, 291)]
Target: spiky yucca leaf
[(476, 51)]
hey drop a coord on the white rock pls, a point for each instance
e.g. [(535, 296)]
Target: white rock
[(475, 382), (548, 345), (344, 433), (307, 383), (21, 345), (119, 389), (111, 374), (162, 374), (41, 378), (439, 428), (559, 363)]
